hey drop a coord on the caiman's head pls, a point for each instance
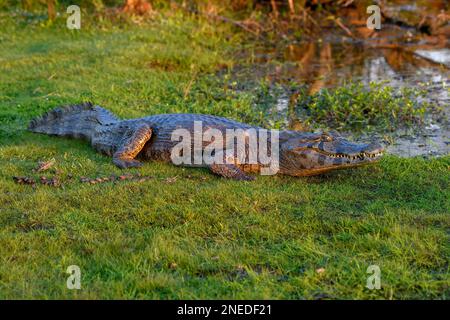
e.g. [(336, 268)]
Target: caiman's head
[(305, 154)]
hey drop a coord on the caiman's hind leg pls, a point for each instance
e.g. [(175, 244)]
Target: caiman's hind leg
[(230, 171), (131, 146), (227, 168)]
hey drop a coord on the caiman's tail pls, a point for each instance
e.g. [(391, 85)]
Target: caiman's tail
[(76, 121)]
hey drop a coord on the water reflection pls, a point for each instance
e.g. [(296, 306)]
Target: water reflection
[(327, 65)]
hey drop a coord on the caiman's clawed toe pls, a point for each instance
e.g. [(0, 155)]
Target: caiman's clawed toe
[(128, 163)]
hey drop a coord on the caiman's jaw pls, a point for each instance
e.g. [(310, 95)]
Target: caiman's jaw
[(318, 154), (371, 156)]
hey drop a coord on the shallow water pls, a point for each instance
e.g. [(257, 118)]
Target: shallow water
[(398, 55)]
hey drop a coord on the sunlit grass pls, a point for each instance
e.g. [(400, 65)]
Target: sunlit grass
[(194, 235)]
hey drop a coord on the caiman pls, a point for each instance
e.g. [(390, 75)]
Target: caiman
[(150, 138)]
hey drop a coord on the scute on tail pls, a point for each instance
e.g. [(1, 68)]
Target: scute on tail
[(77, 121)]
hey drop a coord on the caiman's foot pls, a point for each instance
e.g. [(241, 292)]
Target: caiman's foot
[(127, 163), (138, 137), (230, 171), (245, 177)]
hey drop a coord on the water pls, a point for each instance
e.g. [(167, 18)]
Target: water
[(398, 55)]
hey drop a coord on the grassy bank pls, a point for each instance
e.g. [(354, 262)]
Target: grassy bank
[(186, 233)]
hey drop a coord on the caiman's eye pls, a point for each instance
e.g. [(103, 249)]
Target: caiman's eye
[(326, 138)]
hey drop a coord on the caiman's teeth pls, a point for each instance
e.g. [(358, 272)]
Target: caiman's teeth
[(361, 156)]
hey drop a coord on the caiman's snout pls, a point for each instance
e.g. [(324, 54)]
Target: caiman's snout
[(354, 152), (314, 154), (373, 150)]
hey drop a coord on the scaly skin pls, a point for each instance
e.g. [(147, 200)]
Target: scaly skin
[(150, 138)]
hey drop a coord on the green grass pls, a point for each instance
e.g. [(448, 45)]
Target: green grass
[(354, 107), (192, 237)]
